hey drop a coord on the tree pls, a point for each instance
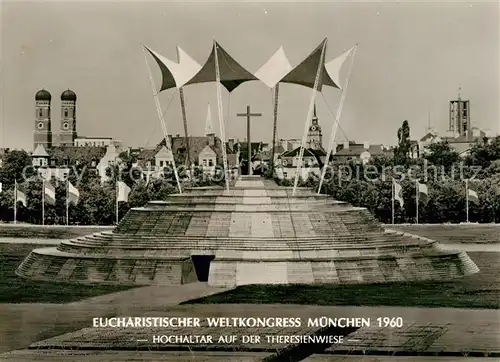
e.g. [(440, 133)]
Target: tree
[(181, 159), (381, 161), (33, 191), (98, 205), (441, 154), (484, 153), (17, 166), (7, 205), (159, 189), (125, 169), (138, 195), (446, 203)]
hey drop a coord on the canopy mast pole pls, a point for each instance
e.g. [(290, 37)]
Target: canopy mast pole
[(275, 125), (184, 119), (43, 202), (309, 116), (162, 120), (221, 116), (15, 201), (333, 134)]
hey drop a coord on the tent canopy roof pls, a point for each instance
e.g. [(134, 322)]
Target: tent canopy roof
[(175, 74), (274, 69), (232, 74), (277, 69), (305, 73)]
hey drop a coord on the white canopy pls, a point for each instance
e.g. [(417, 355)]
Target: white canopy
[(274, 69), (175, 74), (334, 66), (278, 69)]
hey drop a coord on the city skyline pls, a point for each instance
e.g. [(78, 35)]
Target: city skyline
[(402, 69)]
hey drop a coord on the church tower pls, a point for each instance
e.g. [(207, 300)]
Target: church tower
[(209, 128), (67, 133), (314, 136), (43, 132), (460, 117)]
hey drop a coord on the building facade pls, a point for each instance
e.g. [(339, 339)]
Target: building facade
[(313, 157), (358, 152), (312, 162), (205, 153), (96, 142)]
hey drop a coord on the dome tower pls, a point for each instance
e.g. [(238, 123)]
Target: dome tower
[(67, 132), (42, 133)]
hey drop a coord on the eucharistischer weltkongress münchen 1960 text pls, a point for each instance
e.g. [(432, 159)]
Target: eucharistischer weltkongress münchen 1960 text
[(245, 322)]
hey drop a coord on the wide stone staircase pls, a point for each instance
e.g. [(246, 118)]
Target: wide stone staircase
[(253, 233)]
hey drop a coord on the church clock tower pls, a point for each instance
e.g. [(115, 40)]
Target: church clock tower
[(67, 133), (43, 132), (314, 136)]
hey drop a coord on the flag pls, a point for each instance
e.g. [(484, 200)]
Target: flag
[(20, 197), (73, 194), (423, 192), (398, 194), (472, 194), (274, 69), (123, 191), (333, 67), (50, 193)]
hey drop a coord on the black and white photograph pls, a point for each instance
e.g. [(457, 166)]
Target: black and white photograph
[(274, 181)]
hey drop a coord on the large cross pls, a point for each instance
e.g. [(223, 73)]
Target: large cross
[(248, 115)]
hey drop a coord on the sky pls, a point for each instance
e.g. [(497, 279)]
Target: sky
[(412, 57)]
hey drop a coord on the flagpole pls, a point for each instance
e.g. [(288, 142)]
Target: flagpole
[(184, 121), (221, 116), (117, 190), (43, 202), (467, 200), (393, 192), (162, 120), (309, 116), (275, 125), (416, 184), (67, 202), (15, 201), (333, 134)]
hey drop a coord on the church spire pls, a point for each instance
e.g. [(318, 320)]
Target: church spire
[(315, 117), (209, 129), (314, 136)]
